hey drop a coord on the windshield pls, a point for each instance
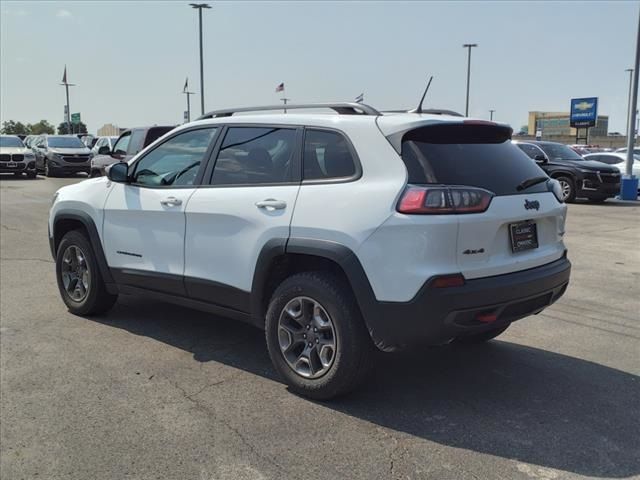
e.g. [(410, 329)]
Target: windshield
[(10, 142), (557, 151), (478, 156), (65, 142)]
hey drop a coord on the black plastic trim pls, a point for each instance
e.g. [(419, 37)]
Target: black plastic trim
[(94, 238), (148, 280), (272, 249), (217, 293)]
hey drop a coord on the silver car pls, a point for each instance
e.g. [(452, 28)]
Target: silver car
[(15, 157)]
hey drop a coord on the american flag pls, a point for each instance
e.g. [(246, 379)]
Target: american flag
[(186, 85), (280, 88), (360, 98), (64, 75)]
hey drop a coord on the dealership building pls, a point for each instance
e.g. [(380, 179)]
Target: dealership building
[(557, 124)]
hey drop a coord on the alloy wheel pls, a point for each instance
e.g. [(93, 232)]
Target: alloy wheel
[(566, 189), (76, 276), (307, 337)]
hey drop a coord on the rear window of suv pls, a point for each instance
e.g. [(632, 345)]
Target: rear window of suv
[(472, 155)]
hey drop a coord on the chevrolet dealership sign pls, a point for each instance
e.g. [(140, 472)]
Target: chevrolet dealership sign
[(584, 112)]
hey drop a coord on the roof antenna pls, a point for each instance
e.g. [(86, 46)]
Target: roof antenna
[(419, 109)]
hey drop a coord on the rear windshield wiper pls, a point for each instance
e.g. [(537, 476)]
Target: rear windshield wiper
[(530, 182)]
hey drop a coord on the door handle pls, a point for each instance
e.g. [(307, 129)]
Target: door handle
[(271, 204), (171, 202)]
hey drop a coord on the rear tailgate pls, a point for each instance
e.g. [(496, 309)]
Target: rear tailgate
[(523, 225), (485, 246)]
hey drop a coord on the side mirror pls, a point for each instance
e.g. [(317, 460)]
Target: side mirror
[(540, 159), (119, 172), (104, 150)]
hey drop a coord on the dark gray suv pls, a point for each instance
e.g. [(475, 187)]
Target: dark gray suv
[(61, 155)]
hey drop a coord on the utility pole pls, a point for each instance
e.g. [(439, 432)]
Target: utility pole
[(66, 87), (199, 7), (468, 46), (630, 70), (629, 183), (491, 113)]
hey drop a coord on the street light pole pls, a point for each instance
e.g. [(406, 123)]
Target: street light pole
[(199, 7), (629, 183), (491, 113), (66, 87), (468, 46), (630, 70)]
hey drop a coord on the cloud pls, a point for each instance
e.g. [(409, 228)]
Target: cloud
[(64, 14)]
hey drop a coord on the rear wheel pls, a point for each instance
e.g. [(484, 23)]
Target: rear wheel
[(481, 337), (568, 188), (316, 337), (79, 279)]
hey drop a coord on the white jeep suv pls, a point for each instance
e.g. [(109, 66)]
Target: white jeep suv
[(335, 233)]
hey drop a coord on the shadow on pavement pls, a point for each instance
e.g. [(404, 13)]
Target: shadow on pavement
[(500, 398)]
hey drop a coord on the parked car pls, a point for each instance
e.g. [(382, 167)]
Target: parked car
[(101, 142), (618, 160), (15, 157), (578, 177), (126, 146), (636, 150), (333, 233), (61, 155)]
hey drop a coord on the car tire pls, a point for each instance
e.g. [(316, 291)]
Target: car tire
[(332, 370), (17, 174), (93, 173), (31, 175), (568, 188), (48, 171), (81, 285), (481, 337)]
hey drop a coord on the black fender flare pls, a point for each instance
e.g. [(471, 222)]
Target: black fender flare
[(90, 226), (340, 254)]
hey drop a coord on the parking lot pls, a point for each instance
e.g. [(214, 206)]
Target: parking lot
[(158, 391)]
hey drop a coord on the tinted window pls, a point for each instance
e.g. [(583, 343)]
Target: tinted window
[(610, 159), (557, 151), (155, 133), (65, 142), (472, 155), (531, 150), (10, 142), (327, 155), (136, 142), (122, 144), (176, 161), (250, 156)]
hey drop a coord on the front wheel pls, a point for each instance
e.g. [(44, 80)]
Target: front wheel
[(31, 175), (316, 337), (80, 282), (48, 171), (568, 187)]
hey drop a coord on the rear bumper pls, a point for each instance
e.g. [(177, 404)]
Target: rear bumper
[(437, 315)]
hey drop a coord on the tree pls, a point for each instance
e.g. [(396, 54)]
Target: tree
[(41, 128), (75, 127), (14, 128)]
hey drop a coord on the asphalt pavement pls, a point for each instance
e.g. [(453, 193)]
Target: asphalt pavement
[(155, 391)]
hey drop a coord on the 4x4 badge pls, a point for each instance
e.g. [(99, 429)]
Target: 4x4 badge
[(531, 205)]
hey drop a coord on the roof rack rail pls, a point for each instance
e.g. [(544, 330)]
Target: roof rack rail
[(345, 108), (432, 111)]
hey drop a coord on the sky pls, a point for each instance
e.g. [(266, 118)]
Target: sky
[(130, 59)]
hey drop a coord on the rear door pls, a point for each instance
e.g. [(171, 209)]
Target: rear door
[(249, 201), (521, 228)]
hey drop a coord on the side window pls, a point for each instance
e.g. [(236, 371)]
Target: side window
[(610, 159), (176, 161), (136, 142), (255, 155), (120, 148), (531, 150), (326, 155)]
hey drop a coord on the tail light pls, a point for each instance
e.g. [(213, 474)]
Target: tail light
[(443, 199)]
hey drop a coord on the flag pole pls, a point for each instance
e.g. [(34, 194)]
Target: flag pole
[(284, 99)]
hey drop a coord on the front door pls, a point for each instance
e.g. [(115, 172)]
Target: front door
[(144, 220)]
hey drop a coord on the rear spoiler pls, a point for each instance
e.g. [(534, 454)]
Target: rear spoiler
[(396, 138)]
